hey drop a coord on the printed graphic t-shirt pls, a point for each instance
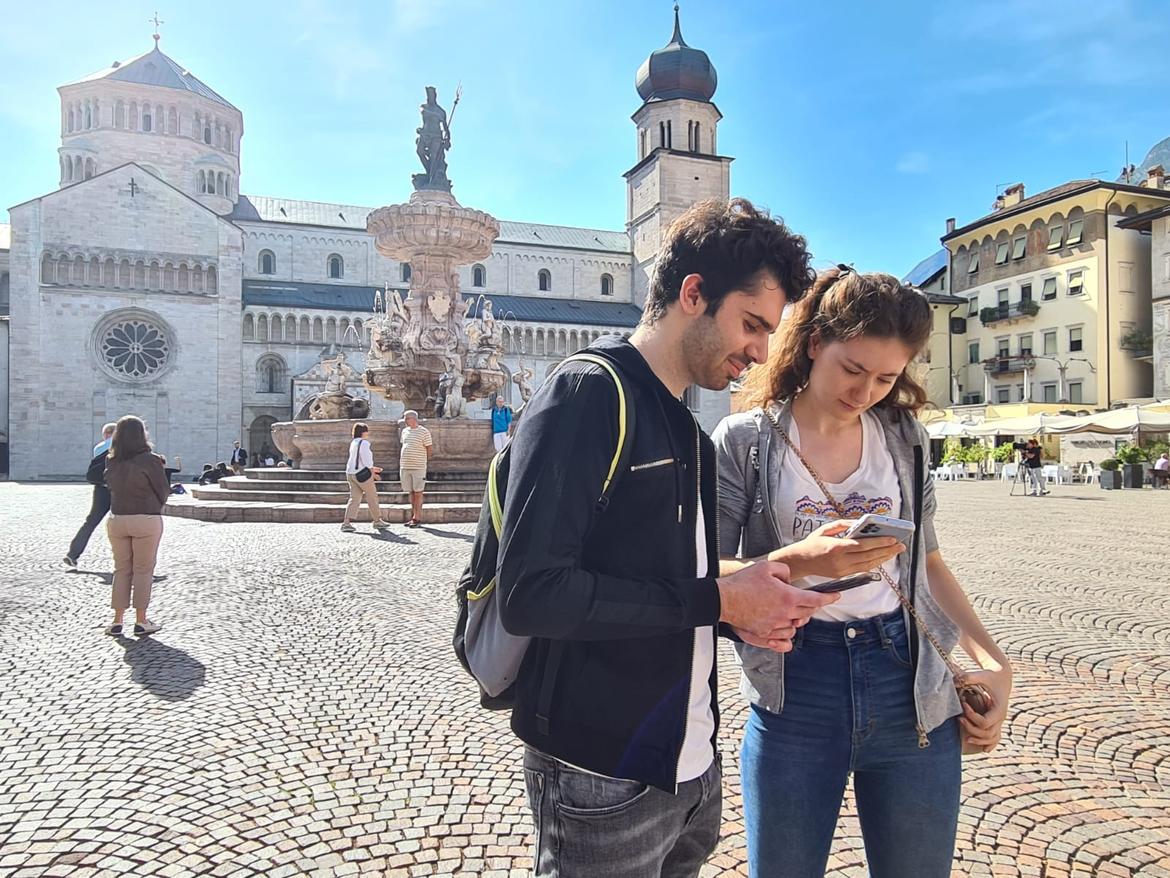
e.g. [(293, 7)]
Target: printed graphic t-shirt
[(873, 487)]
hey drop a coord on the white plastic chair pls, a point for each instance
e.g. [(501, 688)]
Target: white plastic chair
[(1008, 473), (1088, 473), (1051, 473)]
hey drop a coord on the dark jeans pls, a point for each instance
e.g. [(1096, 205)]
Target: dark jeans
[(98, 508), (849, 709), (589, 826)]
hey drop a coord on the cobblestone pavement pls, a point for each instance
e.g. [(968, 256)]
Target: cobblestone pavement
[(301, 714)]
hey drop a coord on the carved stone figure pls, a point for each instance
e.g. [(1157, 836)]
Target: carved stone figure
[(335, 373), (523, 381), (434, 139)]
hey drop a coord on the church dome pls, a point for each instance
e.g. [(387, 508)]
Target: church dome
[(677, 71)]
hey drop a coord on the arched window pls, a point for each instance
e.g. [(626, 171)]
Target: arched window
[(318, 333), (125, 275), (304, 333), (153, 278), (406, 272), (48, 269), (267, 263), (335, 266), (201, 183), (133, 116), (197, 278), (173, 121), (90, 168), (277, 328), (119, 115), (207, 134), (212, 280), (606, 285), (88, 117), (331, 330), (544, 280), (669, 139), (78, 270), (662, 134), (270, 372), (262, 328), (70, 119), (478, 276), (184, 278), (94, 278), (146, 120), (698, 143), (219, 183), (78, 171), (249, 327), (140, 275)]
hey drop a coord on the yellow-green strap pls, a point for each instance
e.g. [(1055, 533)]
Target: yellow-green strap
[(621, 393)]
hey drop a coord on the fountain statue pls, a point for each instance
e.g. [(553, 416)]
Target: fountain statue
[(334, 402), (429, 350), (433, 349)]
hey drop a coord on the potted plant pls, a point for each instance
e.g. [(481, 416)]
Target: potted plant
[(1131, 458), (1029, 307), (989, 315), (1110, 475)]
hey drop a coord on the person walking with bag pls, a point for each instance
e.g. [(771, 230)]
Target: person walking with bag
[(869, 688), (138, 491), (99, 504), (362, 476)]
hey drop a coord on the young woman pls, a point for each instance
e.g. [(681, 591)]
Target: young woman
[(361, 457), (863, 691), (138, 491)]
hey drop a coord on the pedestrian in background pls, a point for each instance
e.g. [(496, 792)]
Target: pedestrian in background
[(138, 490), (99, 503)]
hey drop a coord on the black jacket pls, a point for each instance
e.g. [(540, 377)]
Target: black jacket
[(617, 590)]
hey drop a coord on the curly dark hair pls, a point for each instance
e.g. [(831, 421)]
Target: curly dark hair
[(844, 304), (727, 243)]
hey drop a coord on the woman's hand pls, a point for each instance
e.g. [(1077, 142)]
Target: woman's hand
[(981, 734), (822, 553)]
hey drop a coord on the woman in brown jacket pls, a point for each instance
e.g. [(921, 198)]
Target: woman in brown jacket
[(138, 490)]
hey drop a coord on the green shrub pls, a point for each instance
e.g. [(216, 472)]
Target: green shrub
[(1110, 465), (1004, 453), (1131, 454)]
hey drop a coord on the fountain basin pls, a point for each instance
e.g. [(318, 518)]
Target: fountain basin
[(461, 445)]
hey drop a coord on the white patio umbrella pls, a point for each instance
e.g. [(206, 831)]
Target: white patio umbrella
[(1028, 425), (1119, 422), (945, 429)]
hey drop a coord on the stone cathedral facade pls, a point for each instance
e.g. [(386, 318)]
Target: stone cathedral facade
[(147, 283)]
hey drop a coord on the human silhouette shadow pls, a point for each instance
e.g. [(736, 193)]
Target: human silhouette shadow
[(108, 578), (448, 534), (163, 671), (388, 536)]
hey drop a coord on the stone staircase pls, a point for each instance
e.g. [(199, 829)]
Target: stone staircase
[(277, 494)]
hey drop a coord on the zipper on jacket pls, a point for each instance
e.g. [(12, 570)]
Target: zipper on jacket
[(652, 464), (695, 564)]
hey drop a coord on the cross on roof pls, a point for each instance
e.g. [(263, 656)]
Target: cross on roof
[(156, 22)]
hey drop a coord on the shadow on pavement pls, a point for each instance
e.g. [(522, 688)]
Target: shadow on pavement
[(448, 534), (163, 671)]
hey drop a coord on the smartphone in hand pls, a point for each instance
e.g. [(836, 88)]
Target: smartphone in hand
[(845, 583), (873, 525)]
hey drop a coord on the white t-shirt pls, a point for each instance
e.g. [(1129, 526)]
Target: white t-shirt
[(360, 455), (414, 442), (1162, 463), (697, 754), (873, 487)]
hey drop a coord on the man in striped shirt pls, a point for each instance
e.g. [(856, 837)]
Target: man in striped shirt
[(416, 445)]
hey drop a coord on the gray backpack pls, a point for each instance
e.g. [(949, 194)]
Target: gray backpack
[(487, 652)]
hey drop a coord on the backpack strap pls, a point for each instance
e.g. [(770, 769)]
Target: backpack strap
[(625, 422)]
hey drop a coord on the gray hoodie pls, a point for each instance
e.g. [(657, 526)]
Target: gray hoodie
[(747, 528)]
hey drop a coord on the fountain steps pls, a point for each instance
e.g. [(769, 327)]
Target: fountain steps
[(302, 496)]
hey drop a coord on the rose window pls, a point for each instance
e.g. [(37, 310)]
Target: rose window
[(135, 348)]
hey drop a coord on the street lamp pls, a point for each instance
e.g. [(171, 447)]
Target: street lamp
[(1062, 368)]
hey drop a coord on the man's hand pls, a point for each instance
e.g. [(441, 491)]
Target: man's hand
[(823, 553), (763, 608)]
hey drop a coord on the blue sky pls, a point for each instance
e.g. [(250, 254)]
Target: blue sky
[(863, 124)]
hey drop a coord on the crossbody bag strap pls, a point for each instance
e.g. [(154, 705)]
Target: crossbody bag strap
[(955, 670)]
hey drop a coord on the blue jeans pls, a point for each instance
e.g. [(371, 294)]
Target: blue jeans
[(849, 708), (589, 826)]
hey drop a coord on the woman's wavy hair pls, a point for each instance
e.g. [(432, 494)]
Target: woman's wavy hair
[(129, 438), (842, 305)]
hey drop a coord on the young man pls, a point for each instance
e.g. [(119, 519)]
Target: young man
[(501, 423), (416, 446), (239, 458), (98, 507), (616, 700)]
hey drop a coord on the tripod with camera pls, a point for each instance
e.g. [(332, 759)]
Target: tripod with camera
[(1026, 476)]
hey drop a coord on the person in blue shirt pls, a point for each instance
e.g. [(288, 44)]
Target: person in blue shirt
[(501, 424), (99, 506)]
